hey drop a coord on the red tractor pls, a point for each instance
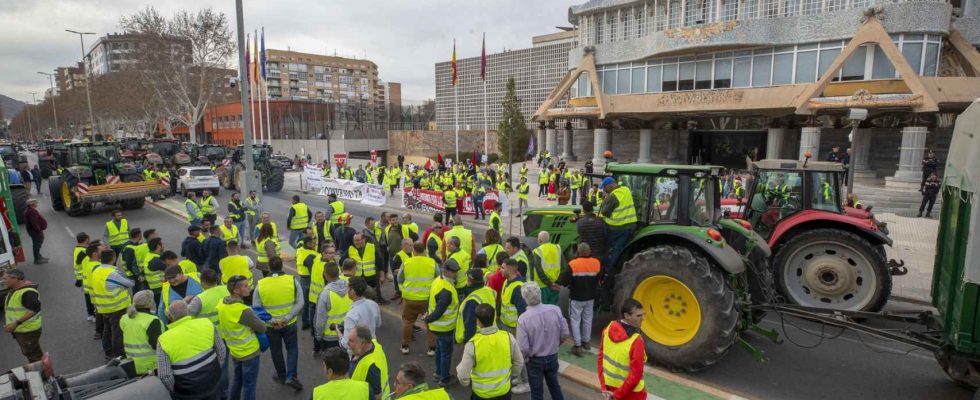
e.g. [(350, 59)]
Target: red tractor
[(824, 255)]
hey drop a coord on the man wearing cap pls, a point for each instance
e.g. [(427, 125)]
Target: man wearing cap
[(441, 319), (620, 216)]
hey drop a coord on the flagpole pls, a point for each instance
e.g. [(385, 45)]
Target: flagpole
[(251, 104), (486, 106), (268, 116)]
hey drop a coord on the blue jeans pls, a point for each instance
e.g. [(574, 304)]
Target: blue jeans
[(223, 383), (547, 368), (574, 198), (294, 236), (444, 355), (617, 240), (242, 226), (246, 376), (278, 337), (308, 309)]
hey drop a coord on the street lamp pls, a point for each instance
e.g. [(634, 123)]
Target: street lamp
[(88, 94), (37, 118), (249, 180), (54, 109)]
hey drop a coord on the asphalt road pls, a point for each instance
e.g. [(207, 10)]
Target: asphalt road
[(67, 336)]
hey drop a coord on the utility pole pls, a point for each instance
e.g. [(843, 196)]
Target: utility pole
[(54, 109), (37, 118), (88, 93), (246, 181)]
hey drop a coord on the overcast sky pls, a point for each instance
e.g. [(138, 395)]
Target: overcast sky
[(404, 37)]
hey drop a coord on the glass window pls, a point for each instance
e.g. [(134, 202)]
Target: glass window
[(824, 194), (609, 81), (623, 81), (654, 83), (670, 78), (638, 84), (584, 88), (761, 69), (639, 186), (883, 68), (782, 69), (932, 57), (853, 69), (827, 57), (913, 54), (686, 81), (701, 206), (723, 73), (806, 66), (664, 197), (702, 79), (743, 70)]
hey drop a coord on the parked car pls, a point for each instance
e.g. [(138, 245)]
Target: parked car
[(283, 162), (197, 179)]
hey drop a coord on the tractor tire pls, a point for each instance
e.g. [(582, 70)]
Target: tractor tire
[(691, 320), (275, 180), (54, 188), (762, 284), (228, 178), (73, 207), (133, 204), (960, 368), (19, 195), (832, 269)]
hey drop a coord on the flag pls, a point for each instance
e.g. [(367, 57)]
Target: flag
[(454, 62), (262, 57), (248, 62), (483, 59), (428, 165), (530, 145), (255, 50), (473, 159)]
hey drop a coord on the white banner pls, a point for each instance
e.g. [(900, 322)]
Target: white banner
[(364, 193), (313, 176), (374, 195)]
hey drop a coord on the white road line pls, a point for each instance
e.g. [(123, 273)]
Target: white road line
[(69, 231)]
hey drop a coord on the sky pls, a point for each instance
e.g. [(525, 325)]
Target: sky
[(404, 37)]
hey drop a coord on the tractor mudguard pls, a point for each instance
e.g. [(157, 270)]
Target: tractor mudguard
[(738, 236), (722, 253), (867, 227)]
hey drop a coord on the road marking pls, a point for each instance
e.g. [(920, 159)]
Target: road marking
[(69, 231)]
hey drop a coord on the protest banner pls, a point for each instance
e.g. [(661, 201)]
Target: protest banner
[(313, 175), (430, 201)]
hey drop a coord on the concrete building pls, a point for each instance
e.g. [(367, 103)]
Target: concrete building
[(714, 81), (536, 70), (326, 79), (114, 52), (69, 78), (393, 100)]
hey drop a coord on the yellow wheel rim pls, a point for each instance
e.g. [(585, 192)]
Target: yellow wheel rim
[(673, 312), (65, 195)]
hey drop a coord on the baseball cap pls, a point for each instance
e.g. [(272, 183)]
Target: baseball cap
[(607, 181), (451, 267)]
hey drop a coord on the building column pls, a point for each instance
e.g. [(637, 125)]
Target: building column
[(550, 138), (910, 156), (810, 141), (568, 150), (673, 141), (646, 142), (539, 145), (774, 143), (600, 145), (861, 154)]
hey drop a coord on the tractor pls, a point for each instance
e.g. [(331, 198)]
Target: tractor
[(50, 156), (166, 151), (824, 256), (98, 175), (696, 285), (133, 149), (230, 171), (208, 154)]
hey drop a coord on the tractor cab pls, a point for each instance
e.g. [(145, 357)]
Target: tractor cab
[(167, 151), (101, 160), (783, 188), (208, 154)]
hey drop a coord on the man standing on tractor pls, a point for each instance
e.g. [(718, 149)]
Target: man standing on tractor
[(116, 232), (622, 346), (209, 207), (620, 216)]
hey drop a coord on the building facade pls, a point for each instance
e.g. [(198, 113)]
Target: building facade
[(294, 75), (69, 78), (765, 78), (536, 71), (113, 52)]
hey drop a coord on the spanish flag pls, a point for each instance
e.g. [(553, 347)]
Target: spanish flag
[(454, 62)]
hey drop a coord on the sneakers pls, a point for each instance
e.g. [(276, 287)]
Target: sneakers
[(431, 352), (90, 318), (295, 384), (521, 388), (404, 349), (586, 347), (277, 379), (42, 260)]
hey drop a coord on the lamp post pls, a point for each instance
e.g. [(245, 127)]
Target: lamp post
[(247, 180), (54, 109), (856, 115), (88, 93), (37, 118)]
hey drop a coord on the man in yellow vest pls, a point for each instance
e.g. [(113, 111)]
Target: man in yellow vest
[(479, 293), (368, 263), (298, 220), (253, 208), (465, 236), (339, 386), (513, 248), (110, 295), (449, 202), (237, 213), (238, 325), (153, 267), (209, 207), (22, 313), (82, 241), (336, 208), (141, 328), (322, 229), (495, 222), (522, 191), (116, 232), (369, 363), (542, 182), (331, 307), (132, 253), (282, 297), (545, 268), (491, 358), (461, 261), (229, 230), (415, 278), (235, 264), (410, 384), (441, 319), (205, 304), (194, 213), (512, 304), (177, 285), (306, 258), (620, 216), (189, 355), (623, 355)]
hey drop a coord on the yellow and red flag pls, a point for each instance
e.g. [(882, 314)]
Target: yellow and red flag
[(255, 50), (454, 62)]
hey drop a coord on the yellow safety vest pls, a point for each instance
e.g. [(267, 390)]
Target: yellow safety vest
[(522, 190), (210, 298), (206, 205), (75, 265), (483, 295), (521, 257), (377, 358), (197, 211), (446, 322), (190, 269), (491, 251), (419, 274), (508, 311), (494, 221), (337, 208), (234, 265), (624, 213), (434, 394), (14, 310), (616, 361), (465, 238), (260, 248), (229, 234), (365, 263), (275, 229), (104, 299), (339, 306), (165, 290), (137, 343), (316, 279), (249, 203), (87, 267), (154, 279), (463, 260), (449, 198), (440, 248), (241, 340), (491, 371), (301, 217), (118, 236), (189, 342), (550, 256), (342, 389), (302, 253), (278, 294)]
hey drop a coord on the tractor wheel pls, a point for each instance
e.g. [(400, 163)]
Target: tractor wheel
[(54, 188), (834, 269), (690, 320), (961, 369), (137, 203), (73, 205), (229, 178), (20, 195), (762, 284), (275, 180)]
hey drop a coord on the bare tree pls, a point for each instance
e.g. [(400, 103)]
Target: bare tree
[(183, 60)]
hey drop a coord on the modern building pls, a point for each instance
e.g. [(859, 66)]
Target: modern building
[(536, 71), (766, 78), (393, 100), (328, 79), (113, 52), (69, 78)]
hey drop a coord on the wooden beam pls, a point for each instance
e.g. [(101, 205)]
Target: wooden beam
[(966, 50)]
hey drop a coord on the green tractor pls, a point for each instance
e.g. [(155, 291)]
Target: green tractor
[(98, 175), (230, 171), (207, 154), (696, 273)]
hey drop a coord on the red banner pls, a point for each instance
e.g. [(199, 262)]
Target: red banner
[(431, 201), (340, 159)]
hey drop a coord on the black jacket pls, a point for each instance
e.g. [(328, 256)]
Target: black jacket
[(191, 249)]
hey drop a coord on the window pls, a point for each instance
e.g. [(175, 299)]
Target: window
[(638, 16), (664, 196), (638, 83), (609, 81), (931, 59), (743, 70), (613, 26), (686, 78), (623, 81), (882, 68), (761, 70), (670, 78), (782, 69), (654, 84), (913, 54), (723, 73), (823, 195), (701, 204), (853, 69), (702, 75), (639, 186), (827, 57), (598, 29), (625, 17), (806, 66)]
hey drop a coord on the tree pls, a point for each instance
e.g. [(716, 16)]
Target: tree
[(513, 126), (183, 60)]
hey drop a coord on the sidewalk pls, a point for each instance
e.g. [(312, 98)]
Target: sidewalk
[(915, 243)]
